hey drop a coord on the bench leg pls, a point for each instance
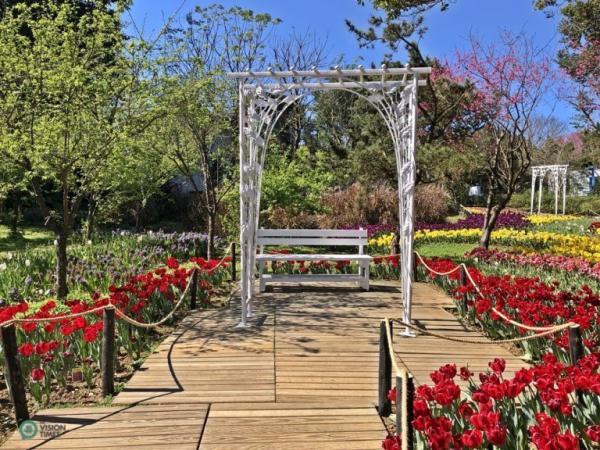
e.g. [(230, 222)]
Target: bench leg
[(261, 278), (365, 281)]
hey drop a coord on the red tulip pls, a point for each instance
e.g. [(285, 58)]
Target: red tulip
[(37, 374)]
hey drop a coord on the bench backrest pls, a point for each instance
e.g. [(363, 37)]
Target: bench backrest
[(345, 238)]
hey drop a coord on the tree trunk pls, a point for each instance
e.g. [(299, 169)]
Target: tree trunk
[(91, 218), (61, 263), (14, 223), (62, 234), (489, 220), (211, 234), (136, 216), (486, 234)]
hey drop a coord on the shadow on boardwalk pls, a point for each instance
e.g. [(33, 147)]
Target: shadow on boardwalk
[(304, 377)]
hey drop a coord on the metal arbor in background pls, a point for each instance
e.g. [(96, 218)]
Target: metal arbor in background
[(558, 179), (264, 97)]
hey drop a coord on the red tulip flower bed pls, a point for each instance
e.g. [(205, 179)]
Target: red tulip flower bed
[(51, 351), (559, 266), (525, 300), (550, 406), (383, 267)]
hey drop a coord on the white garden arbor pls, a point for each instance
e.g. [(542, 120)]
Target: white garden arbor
[(264, 97), (557, 182)]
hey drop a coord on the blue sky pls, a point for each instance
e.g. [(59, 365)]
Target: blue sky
[(447, 31)]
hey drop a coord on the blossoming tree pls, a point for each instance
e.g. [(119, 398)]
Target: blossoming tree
[(512, 78)]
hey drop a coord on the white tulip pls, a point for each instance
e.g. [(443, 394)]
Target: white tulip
[(27, 263), (3, 266)]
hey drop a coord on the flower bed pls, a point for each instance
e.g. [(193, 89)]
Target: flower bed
[(51, 351), (384, 267), (586, 247), (549, 406), (558, 265), (541, 219), (525, 300), (373, 229), (505, 220), (94, 267)]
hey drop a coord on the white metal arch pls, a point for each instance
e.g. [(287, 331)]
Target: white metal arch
[(263, 99), (557, 180)]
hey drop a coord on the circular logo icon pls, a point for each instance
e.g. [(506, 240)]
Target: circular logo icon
[(28, 429)]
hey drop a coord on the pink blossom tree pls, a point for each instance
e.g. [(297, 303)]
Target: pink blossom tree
[(512, 78)]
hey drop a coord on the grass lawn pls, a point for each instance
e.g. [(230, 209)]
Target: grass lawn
[(577, 226), (29, 237), (454, 250)]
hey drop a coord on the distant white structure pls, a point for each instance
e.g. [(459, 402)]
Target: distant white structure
[(558, 179)]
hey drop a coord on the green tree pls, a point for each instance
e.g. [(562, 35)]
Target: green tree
[(396, 22), (199, 102), (134, 176), (199, 126), (64, 81), (579, 56)]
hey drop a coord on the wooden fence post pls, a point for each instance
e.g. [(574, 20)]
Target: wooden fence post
[(194, 289), (576, 351), (107, 359), (14, 377), (398, 405), (384, 405), (463, 283), (233, 262), (415, 272), (575, 344), (410, 396)]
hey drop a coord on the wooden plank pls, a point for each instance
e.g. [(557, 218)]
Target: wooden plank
[(118, 427), (305, 379)]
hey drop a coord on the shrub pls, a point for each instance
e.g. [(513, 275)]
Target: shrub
[(279, 217), (432, 203), (359, 205)]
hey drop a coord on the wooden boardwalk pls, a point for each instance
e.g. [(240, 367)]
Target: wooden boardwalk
[(304, 377)]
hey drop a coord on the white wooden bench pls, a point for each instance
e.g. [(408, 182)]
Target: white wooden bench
[(320, 238)]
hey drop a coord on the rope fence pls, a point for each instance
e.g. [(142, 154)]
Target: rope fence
[(483, 340), (119, 312), (389, 358), (13, 375), (546, 330)]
